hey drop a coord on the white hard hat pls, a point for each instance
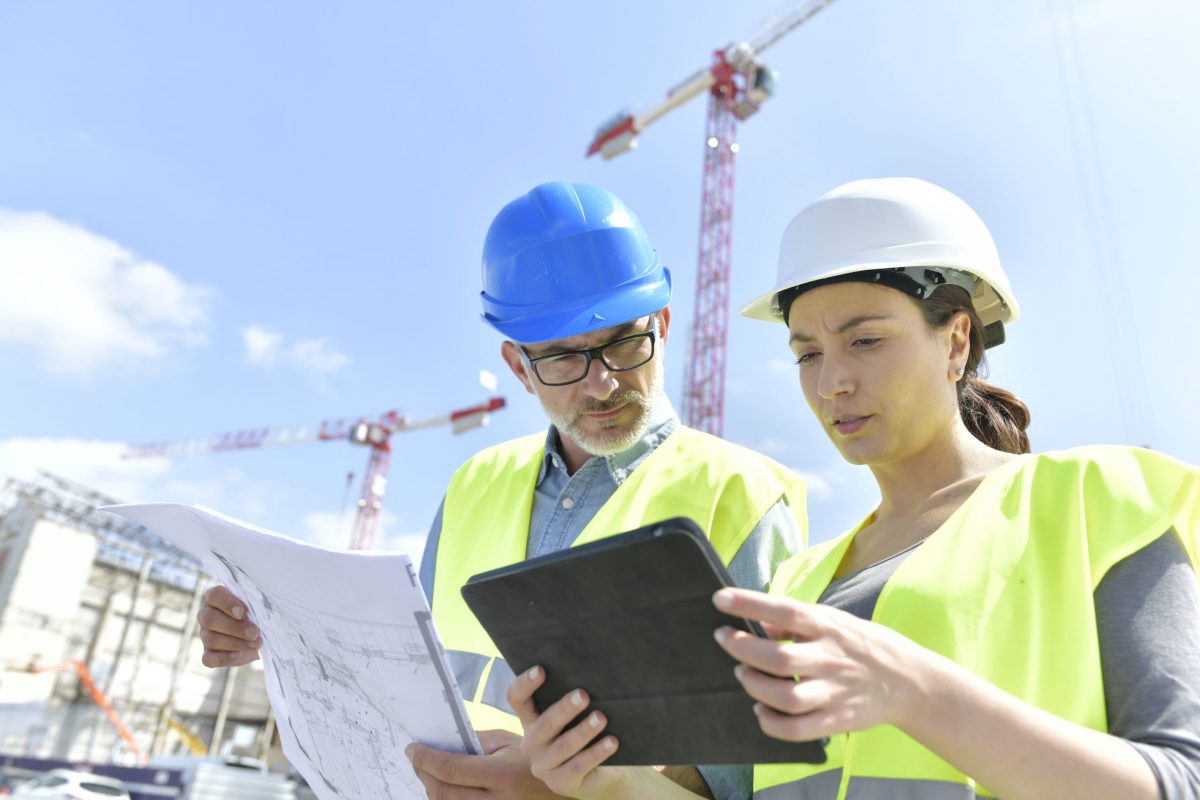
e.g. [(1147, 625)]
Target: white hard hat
[(913, 234)]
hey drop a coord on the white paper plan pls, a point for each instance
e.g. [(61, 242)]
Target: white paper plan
[(353, 667)]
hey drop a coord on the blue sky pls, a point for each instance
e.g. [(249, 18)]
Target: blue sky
[(216, 217)]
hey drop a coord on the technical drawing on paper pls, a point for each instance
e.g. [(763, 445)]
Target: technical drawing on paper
[(349, 691)]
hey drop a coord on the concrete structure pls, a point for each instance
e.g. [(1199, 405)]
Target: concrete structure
[(77, 583)]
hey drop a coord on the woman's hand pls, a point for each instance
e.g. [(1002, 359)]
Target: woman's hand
[(823, 671)]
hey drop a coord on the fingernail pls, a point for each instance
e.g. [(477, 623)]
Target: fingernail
[(723, 598), (608, 743), (739, 671), (533, 673), (721, 634), (250, 632), (408, 752), (576, 698), (594, 720), (757, 709), (238, 612)]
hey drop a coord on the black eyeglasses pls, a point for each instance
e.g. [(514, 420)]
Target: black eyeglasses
[(620, 355)]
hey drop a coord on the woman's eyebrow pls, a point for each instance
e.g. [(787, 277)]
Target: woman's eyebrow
[(800, 336)]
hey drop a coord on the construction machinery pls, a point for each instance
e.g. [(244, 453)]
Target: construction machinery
[(374, 432), (737, 83), (98, 697)]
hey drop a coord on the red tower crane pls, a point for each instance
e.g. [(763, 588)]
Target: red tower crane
[(373, 432), (737, 84)]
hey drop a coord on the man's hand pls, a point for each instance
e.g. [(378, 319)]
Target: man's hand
[(502, 772), (230, 640)]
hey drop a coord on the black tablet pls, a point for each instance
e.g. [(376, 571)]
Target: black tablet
[(630, 619)]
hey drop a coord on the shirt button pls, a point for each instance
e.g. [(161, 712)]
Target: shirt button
[(568, 503)]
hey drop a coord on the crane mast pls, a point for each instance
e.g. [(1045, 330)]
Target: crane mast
[(737, 84)]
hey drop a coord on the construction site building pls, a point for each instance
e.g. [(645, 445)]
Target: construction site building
[(87, 595)]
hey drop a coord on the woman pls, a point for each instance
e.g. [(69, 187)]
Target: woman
[(1003, 623)]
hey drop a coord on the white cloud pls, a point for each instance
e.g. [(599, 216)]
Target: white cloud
[(331, 529), (262, 345), (83, 302), (95, 464), (265, 348), (820, 484), (317, 355)]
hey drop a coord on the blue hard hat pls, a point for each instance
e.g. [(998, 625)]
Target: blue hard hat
[(567, 259)]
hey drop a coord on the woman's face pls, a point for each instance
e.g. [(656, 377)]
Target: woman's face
[(880, 381)]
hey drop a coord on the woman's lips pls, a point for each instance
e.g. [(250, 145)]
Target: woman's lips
[(850, 424)]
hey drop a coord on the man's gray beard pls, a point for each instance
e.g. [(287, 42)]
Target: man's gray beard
[(644, 403)]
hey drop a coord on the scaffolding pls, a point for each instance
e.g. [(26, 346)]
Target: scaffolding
[(79, 583)]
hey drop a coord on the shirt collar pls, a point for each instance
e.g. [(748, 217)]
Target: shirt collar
[(663, 422)]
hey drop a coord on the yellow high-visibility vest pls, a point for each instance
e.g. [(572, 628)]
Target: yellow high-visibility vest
[(1004, 588), (725, 488)]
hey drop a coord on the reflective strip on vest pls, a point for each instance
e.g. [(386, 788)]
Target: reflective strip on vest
[(468, 669), (495, 691), (824, 786)]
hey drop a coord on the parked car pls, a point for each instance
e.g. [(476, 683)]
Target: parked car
[(66, 784), (12, 777)]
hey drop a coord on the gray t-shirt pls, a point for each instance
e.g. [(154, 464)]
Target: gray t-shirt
[(1148, 624)]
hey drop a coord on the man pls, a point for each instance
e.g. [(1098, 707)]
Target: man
[(571, 281)]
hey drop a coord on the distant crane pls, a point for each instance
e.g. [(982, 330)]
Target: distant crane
[(374, 432), (737, 84)]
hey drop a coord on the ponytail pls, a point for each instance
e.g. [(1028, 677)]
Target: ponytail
[(994, 416)]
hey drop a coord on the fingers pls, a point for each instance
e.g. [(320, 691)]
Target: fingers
[(799, 620), (220, 641), (782, 659), (215, 620), (229, 639), (567, 777), (786, 695), (215, 659), (549, 726), (559, 755), (520, 695), (575, 741), (799, 728), (224, 600), (493, 740), (439, 790), (456, 769)]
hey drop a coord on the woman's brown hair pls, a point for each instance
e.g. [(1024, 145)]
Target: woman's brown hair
[(995, 416)]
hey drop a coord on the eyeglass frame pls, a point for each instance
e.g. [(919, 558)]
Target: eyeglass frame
[(594, 354)]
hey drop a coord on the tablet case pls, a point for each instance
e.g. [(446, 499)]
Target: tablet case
[(630, 619)]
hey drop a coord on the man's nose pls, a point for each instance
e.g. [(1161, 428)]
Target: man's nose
[(600, 381)]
